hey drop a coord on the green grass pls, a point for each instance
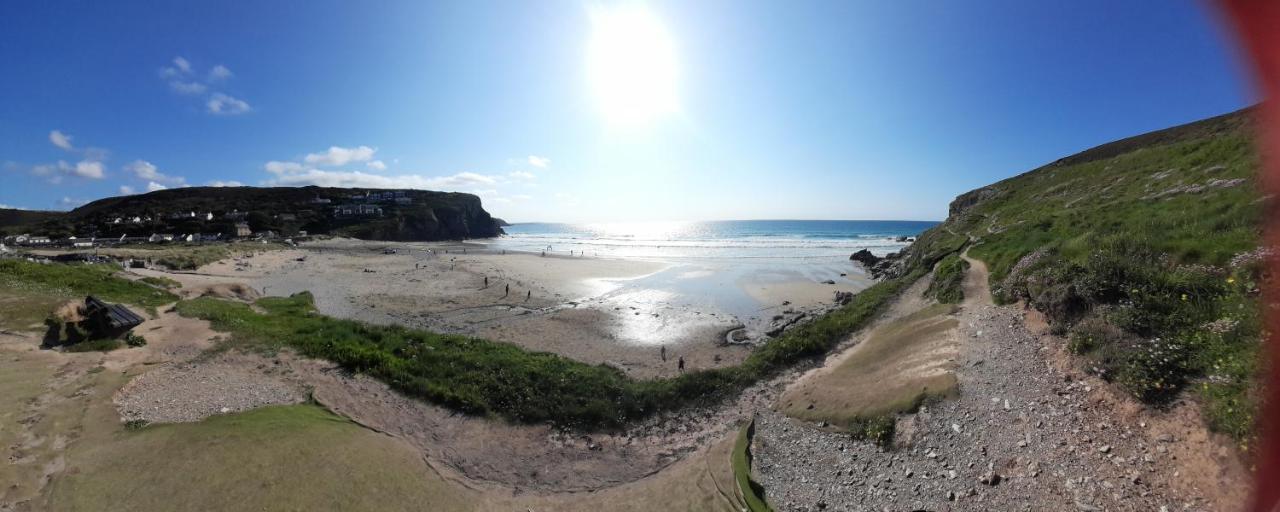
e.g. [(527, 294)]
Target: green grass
[(483, 377), (1135, 274), (77, 280), (948, 276), (752, 492), (298, 457), (161, 282)]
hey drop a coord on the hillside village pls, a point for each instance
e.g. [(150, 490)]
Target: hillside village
[(158, 222)]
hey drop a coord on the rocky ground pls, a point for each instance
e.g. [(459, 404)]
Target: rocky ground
[(1028, 432), (186, 391)]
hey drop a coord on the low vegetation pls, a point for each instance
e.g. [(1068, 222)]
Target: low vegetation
[(188, 256), (752, 492), (162, 282), (483, 377), (30, 291), (948, 278), (1144, 252)]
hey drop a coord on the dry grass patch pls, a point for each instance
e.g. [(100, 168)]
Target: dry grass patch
[(896, 368)]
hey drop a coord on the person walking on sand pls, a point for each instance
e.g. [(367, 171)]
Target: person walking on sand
[(663, 352), (680, 364), (507, 291), (486, 281), (528, 294)]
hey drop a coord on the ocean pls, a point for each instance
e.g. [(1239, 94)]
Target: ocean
[(746, 239)]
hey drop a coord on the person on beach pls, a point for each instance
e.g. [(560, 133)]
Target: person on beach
[(680, 364), (507, 291), (486, 281), (663, 352), (528, 294)]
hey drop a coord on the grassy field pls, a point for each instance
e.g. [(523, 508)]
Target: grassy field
[(276, 458), (482, 377), (30, 291), (1140, 251), (898, 367)]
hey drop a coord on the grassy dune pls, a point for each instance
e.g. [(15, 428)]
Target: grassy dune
[(30, 291), (898, 366)]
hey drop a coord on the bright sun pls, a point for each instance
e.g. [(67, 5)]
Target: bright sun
[(631, 62)]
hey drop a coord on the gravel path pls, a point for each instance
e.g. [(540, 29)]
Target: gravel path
[(1027, 432), (184, 392)]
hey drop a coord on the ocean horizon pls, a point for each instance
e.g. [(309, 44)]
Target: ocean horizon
[(730, 239)]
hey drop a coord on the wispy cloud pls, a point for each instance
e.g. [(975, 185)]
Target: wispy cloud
[(222, 104), (360, 179), (145, 170), (376, 165), (192, 88), (521, 175), (153, 186), (219, 73), (126, 190), (183, 79), (54, 172), (337, 155), (220, 183), (61, 140), (540, 162)]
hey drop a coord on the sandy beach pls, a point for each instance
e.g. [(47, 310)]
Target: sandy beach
[(621, 312)]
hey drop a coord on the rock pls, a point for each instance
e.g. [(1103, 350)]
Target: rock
[(864, 257), (843, 298), (990, 478), (829, 281), (1105, 449)]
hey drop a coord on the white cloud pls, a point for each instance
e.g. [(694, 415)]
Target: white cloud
[(336, 155), (191, 88), (220, 183), (126, 190), (147, 171), (153, 186), (84, 168), (61, 140), (278, 167), (521, 175), (67, 202), (540, 162), (222, 104), (358, 179), (89, 169), (377, 165), (182, 64), (219, 72)]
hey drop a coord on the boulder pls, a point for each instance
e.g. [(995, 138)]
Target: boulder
[(864, 257)]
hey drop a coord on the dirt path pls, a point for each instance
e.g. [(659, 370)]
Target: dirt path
[(976, 291), (1028, 431)]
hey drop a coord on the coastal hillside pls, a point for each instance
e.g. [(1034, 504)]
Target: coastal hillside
[(1143, 252), (371, 214), (13, 217)]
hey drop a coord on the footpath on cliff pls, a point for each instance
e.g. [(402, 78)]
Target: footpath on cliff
[(1025, 428)]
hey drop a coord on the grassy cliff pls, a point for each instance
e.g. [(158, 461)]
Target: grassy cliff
[(426, 215), (1144, 252)]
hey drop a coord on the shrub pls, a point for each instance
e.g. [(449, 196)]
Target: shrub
[(133, 340), (948, 279)]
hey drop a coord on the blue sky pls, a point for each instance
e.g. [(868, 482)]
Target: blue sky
[(746, 110)]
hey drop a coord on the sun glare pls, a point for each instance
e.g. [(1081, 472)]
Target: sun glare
[(631, 63)]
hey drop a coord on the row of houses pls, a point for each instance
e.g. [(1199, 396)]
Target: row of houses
[(241, 231)]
